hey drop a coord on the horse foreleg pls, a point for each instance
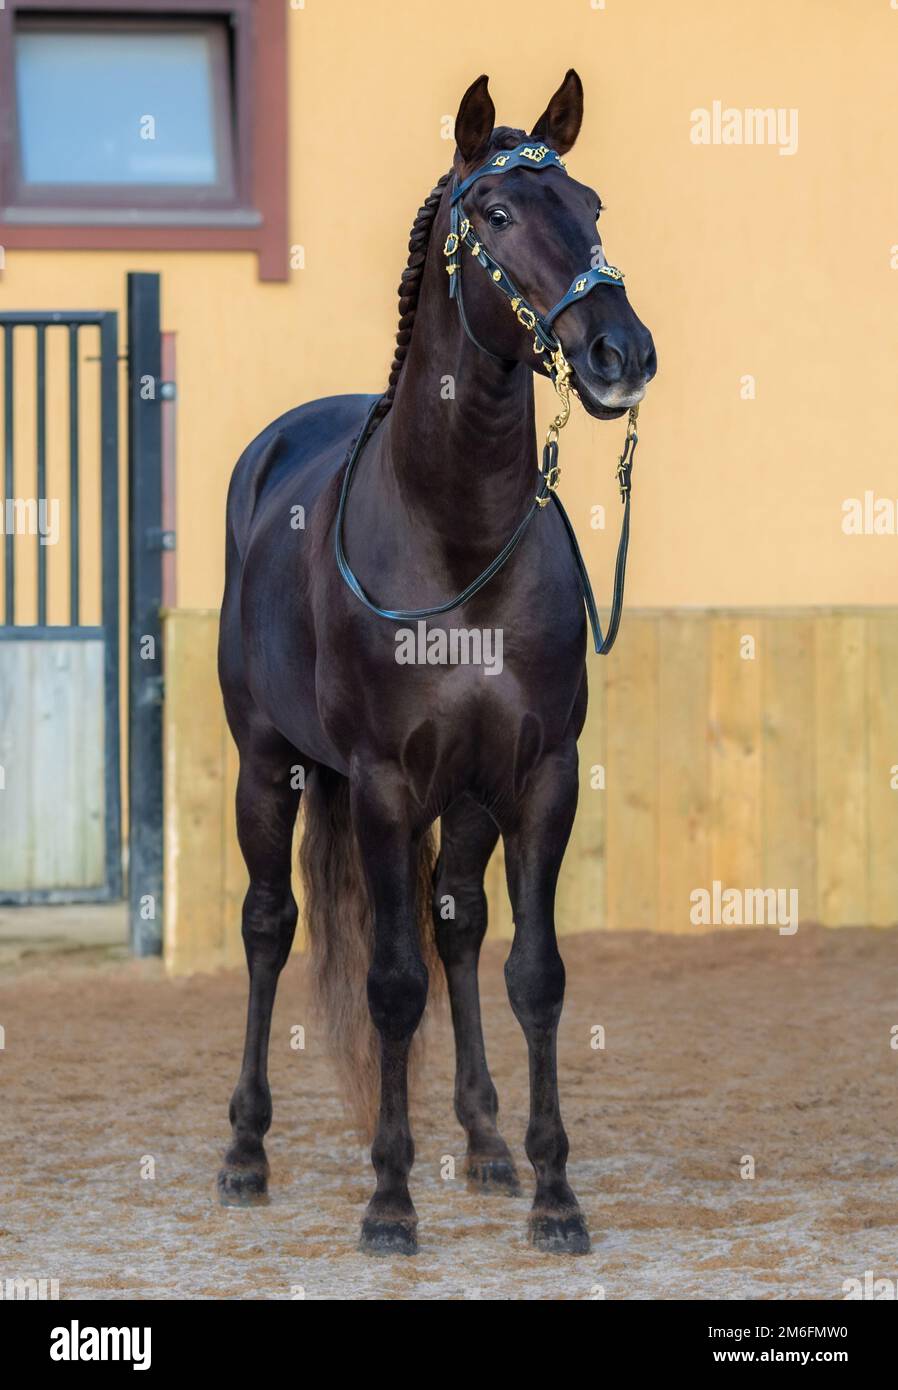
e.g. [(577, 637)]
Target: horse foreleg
[(397, 993), (535, 840), (468, 837), (267, 803)]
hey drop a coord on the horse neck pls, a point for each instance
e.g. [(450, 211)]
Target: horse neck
[(459, 442)]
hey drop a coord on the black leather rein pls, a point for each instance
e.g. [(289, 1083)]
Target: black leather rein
[(545, 341)]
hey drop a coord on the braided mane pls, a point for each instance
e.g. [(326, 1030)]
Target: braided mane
[(503, 138), (410, 288)]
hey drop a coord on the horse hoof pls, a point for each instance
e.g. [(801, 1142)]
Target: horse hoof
[(493, 1175), (388, 1237), (243, 1187), (559, 1235)]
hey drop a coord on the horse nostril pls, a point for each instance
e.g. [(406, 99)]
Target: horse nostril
[(606, 358), (648, 360)]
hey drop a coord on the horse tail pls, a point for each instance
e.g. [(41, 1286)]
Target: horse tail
[(340, 930)]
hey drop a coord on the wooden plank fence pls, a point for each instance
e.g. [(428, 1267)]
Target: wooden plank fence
[(755, 748)]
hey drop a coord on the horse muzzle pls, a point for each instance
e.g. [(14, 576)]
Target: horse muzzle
[(613, 372)]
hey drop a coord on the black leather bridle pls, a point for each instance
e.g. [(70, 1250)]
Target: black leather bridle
[(461, 233), (545, 341)]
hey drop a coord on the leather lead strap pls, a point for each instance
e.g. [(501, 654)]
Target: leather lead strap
[(602, 644)]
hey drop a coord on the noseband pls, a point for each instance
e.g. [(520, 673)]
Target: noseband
[(547, 344)]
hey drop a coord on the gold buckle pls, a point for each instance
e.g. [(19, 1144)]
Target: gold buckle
[(550, 483), (623, 481), (448, 249)]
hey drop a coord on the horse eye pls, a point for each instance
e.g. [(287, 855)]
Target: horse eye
[(498, 217)]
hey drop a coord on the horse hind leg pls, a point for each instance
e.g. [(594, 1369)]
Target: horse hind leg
[(267, 802), (468, 838)]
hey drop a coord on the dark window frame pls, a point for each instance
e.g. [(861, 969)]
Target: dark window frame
[(250, 215)]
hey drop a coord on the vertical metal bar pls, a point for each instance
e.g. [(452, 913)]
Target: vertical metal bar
[(169, 410), (74, 483), (9, 555), (109, 459), (144, 625), (42, 501)]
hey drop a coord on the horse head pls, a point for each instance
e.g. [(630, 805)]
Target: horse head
[(538, 239)]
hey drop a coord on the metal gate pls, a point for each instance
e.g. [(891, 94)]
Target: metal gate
[(60, 781), (60, 672)]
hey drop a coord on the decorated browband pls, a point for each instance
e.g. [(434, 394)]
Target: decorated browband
[(533, 156)]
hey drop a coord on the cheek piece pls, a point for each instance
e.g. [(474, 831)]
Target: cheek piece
[(545, 341)]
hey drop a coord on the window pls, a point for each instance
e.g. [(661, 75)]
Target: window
[(156, 128), (130, 110)]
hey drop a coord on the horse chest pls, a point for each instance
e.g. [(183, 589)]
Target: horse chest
[(454, 707)]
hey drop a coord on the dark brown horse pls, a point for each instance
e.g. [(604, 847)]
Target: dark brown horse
[(322, 704)]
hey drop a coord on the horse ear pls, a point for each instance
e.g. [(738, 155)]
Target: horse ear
[(475, 120), (560, 123)]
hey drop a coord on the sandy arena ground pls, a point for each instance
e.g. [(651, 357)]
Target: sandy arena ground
[(736, 1043)]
